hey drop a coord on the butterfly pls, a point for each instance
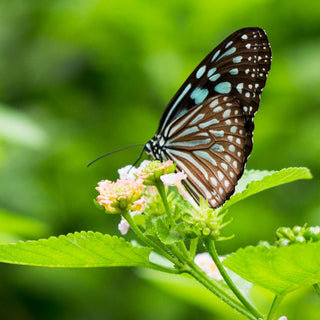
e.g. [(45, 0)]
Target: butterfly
[(207, 127)]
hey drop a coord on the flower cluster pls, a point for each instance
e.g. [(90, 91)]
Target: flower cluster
[(122, 195), (135, 186)]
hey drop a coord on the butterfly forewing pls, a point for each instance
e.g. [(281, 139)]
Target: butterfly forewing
[(207, 144), (238, 65)]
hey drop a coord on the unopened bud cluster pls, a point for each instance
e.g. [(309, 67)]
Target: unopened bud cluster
[(286, 236), (205, 221)]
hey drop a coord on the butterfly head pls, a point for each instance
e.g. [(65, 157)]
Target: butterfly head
[(155, 147)]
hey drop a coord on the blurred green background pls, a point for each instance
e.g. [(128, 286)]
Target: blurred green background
[(81, 78)]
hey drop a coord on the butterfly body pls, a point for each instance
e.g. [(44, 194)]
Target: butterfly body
[(207, 127)]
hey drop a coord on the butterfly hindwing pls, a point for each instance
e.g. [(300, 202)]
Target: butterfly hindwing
[(207, 144)]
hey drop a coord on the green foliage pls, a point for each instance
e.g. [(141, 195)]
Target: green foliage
[(280, 270), (93, 76), (13, 227), (254, 181), (78, 250), (166, 233)]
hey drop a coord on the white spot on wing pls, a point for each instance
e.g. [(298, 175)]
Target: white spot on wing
[(217, 109), (214, 103), (220, 175), (237, 59), (226, 113), (239, 87)]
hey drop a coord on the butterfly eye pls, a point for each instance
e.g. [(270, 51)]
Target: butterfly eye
[(207, 127)]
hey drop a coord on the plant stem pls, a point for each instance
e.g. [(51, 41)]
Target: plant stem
[(214, 255), (162, 191), (148, 241), (276, 301), (193, 247), (161, 268)]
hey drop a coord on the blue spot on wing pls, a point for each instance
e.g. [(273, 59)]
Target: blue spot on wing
[(182, 112), (223, 87), (198, 95)]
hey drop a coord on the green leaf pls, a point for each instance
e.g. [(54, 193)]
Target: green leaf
[(76, 250), (254, 181), (165, 235), (14, 227), (281, 269)]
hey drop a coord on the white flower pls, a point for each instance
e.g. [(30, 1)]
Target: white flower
[(172, 179), (124, 226), (127, 173), (144, 164), (206, 264)]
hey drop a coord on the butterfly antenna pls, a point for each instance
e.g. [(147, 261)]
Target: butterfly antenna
[(118, 150), (140, 155)]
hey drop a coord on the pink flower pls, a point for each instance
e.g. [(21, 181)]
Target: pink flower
[(122, 195)]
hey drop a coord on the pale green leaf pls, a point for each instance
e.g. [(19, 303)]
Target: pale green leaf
[(255, 181), (16, 127), (279, 269), (76, 250), (14, 227)]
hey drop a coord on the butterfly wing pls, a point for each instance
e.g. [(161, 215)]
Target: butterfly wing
[(207, 143), (239, 66), (207, 127)]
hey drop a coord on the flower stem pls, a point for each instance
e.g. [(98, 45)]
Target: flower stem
[(162, 191), (193, 247), (161, 268), (214, 255), (148, 241), (276, 301)]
